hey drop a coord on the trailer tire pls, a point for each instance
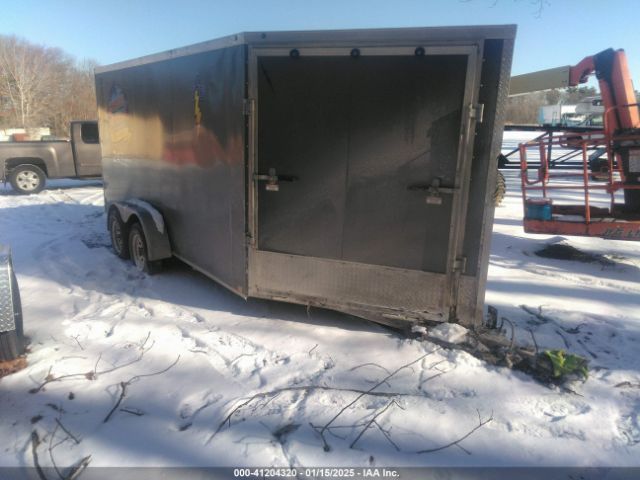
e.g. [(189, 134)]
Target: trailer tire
[(501, 189), (119, 235), (27, 179), (140, 252)]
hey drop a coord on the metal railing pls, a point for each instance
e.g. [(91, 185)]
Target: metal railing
[(548, 181)]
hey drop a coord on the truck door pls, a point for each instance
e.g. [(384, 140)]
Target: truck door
[(360, 171), (86, 149)]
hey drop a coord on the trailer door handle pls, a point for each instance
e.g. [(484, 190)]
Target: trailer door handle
[(272, 179), (434, 191)]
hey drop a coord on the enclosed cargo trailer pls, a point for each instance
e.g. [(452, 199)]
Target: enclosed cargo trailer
[(352, 170)]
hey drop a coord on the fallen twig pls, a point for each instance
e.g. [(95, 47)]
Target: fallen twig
[(335, 417), (627, 384), (55, 407), (78, 342), (124, 385), (513, 331), (53, 460), (566, 342), (123, 392), (546, 319), (367, 365), (92, 375), (584, 347), (35, 441), (387, 436), (481, 423), (76, 471), (136, 412), (95, 368), (435, 375), (535, 343), (373, 419), (67, 432), (273, 393)]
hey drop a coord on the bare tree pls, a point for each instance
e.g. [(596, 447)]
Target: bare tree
[(42, 86), (523, 109), (26, 70)]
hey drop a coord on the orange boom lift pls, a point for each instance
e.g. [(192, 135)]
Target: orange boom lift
[(619, 137)]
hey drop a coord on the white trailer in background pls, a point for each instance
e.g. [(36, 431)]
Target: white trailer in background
[(559, 114)]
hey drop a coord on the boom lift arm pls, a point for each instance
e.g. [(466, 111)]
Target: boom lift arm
[(616, 88), (620, 137)]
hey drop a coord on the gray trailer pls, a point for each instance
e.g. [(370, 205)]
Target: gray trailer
[(352, 170)]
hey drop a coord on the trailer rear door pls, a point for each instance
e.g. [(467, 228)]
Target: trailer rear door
[(359, 162)]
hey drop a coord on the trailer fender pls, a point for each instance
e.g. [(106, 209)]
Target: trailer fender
[(152, 223)]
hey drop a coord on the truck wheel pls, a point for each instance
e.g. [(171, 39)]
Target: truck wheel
[(139, 251), (118, 233), (27, 179), (12, 342), (501, 189)]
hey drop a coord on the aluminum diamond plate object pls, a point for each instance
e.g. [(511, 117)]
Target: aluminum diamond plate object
[(7, 323)]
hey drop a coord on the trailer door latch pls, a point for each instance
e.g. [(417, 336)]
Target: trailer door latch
[(248, 106), (477, 112), (273, 180), (460, 264), (434, 191)]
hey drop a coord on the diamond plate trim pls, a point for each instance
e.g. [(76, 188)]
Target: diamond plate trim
[(7, 323), (348, 286)]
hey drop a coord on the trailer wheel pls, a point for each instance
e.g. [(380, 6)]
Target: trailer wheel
[(139, 251), (118, 233), (12, 342), (27, 179), (501, 189)]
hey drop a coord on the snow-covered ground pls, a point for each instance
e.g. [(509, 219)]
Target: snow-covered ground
[(210, 379)]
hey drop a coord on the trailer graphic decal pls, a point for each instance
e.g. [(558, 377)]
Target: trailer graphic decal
[(198, 92), (118, 107), (117, 100)]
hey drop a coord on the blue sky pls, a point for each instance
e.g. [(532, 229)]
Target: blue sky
[(114, 30)]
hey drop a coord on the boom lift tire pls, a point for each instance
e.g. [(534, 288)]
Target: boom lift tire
[(501, 189)]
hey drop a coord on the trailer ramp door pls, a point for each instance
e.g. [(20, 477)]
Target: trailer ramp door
[(358, 169)]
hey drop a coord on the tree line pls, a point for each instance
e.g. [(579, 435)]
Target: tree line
[(43, 87), (523, 109)]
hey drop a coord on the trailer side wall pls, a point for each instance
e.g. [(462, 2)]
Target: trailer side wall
[(173, 134)]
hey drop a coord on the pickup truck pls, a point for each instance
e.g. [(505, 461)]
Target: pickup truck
[(27, 165)]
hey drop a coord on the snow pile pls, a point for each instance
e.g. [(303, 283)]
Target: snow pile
[(420, 329), (173, 370), (449, 332)]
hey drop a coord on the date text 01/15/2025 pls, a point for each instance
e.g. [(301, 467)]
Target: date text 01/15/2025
[(323, 472)]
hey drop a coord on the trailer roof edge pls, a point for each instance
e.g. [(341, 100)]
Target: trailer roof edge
[(326, 38)]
